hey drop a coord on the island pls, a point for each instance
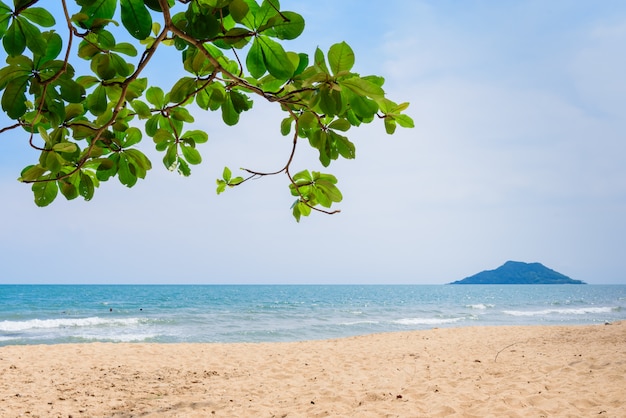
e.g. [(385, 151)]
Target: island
[(517, 272)]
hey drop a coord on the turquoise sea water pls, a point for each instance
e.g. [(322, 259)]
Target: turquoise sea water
[(50, 314)]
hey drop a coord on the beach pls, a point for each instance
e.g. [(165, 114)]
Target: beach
[(499, 371)]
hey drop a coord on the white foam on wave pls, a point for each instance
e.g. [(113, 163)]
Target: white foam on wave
[(360, 323), (426, 321), (570, 311), (121, 338), (480, 306), (16, 326)]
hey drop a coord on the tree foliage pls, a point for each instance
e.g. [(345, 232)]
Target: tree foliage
[(88, 126)]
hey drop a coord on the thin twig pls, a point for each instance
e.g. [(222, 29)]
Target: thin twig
[(510, 345)]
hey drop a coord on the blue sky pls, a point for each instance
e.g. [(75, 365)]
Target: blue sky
[(518, 153)]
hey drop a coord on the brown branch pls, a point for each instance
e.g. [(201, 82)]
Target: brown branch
[(8, 128)]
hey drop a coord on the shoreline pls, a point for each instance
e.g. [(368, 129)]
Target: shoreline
[(527, 370)]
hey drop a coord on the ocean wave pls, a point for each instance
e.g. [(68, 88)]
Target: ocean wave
[(17, 326), (426, 321), (480, 306), (565, 311), (121, 338), (360, 323)]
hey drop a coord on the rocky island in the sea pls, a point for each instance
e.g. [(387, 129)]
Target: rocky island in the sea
[(516, 272)]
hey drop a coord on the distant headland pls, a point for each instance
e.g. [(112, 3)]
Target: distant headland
[(516, 272)]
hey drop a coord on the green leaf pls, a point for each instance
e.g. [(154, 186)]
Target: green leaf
[(303, 63), (249, 17), (363, 87), (300, 209), (229, 115), (182, 114), (329, 190), (87, 50), (86, 186), (221, 186), (136, 88), (138, 159), (155, 96), (52, 161), (97, 12), (255, 61), (390, 125), (125, 172), (330, 102), (87, 81), (136, 18), (132, 136), (4, 22), (235, 37), (238, 10), (198, 137), (45, 192), (162, 135), (276, 59), (226, 174), (68, 147), (320, 61), (285, 126), (32, 172), (68, 189), (289, 25), (142, 109), (241, 102), (97, 101), (170, 159), (73, 110), (107, 167), (71, 91), (34, 39), (14, 40), (183, 88), (39, 15), (345, 148), (362, 106), (267, 11), (303, 176), (191, 154), (340, 125), (125, 48), (307, 120), (120, 65), (101, 65), (405, 121), (14, 97), (201, 25), (340, 58), (183, 168), (54, 45)]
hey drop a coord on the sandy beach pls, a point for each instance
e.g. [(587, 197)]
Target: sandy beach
[(529, 371)]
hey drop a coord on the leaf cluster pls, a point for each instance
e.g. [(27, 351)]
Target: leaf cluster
[(88, 127)]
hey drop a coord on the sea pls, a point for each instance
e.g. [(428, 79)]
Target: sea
[(57, 314)]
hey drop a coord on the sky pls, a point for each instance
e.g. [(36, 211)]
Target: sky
[(518, 153)]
